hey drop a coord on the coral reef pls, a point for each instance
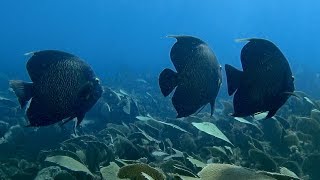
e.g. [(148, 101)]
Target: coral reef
[(131, 134)]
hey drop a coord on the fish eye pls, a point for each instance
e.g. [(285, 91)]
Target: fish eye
[(97, 80)]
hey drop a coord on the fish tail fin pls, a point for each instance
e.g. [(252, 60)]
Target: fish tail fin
[(168, 80), (23, 90), (233, 78)]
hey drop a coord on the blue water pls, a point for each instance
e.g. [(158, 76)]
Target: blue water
[(129, 36)]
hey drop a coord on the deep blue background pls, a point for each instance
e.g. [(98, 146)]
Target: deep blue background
[(122, 36)]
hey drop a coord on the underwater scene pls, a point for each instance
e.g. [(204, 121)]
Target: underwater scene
[(154, 90)]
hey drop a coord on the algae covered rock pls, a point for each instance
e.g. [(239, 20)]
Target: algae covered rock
[(233, 172), (110, 172), (86, 149), (272, 130), (15, 134), (308, 126), (4, 127), (262, 160), (96, 153), (187, 142), (69, 163), (53, 173), (291, 139), (315, 114), (293, 166), (212, 130), (64, 175), (125, 149), (134, 171), (59, 152), (16, 169), (310, 166), (169, 166), (229, 172), (196, 162), (286, 171), (218, 153)]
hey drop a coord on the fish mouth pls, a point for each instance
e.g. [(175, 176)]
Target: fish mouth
[(98, 88)]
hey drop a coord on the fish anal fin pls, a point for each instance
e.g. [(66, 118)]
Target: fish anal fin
[(200, 110), (185, 106), (234, 77), (80, 118), (168, 80), (38, 114), (212, 104), (294, 94), (23, 91), (66, 121)]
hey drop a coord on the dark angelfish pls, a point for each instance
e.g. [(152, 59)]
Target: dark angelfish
[(198, 77), (265, 83), (63, 87)]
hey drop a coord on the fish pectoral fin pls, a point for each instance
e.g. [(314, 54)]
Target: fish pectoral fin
[(23, 90), (234, 77), (168, 80), (85, 91)]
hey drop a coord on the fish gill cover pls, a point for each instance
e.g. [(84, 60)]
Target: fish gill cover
[(248, 109)]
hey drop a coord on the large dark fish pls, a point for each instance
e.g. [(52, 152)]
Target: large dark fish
[(265, 83), (63, 87), (198, 76)]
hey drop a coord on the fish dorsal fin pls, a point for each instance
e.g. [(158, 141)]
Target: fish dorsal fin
[(259, 53), (182, 50), (40, 61), (234, 77)]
